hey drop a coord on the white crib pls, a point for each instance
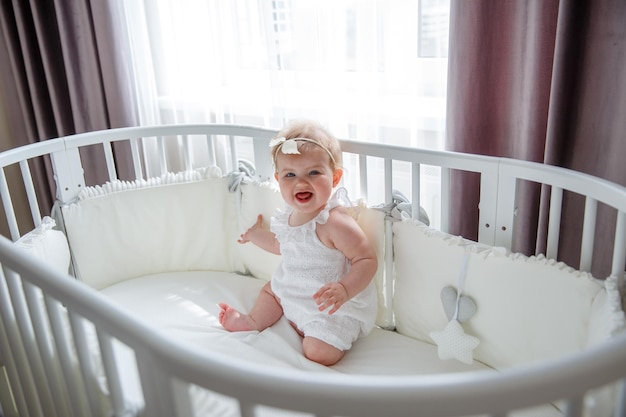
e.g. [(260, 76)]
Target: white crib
[(135, 332)]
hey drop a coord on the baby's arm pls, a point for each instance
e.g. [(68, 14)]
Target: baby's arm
[(261, 237), (344, 234)]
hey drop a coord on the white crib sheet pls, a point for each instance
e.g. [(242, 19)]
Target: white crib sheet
[(183, 305)]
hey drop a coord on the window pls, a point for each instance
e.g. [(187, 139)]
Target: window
[(433, 28), (371, 70)]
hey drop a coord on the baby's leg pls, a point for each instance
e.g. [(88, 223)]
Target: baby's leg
[(266, 311), (321, 352)]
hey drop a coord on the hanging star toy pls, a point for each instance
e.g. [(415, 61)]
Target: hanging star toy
[(452, 342)]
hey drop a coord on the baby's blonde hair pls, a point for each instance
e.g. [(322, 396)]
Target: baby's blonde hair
[(317, 134)]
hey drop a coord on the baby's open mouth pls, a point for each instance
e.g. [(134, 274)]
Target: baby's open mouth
[(303, 197)]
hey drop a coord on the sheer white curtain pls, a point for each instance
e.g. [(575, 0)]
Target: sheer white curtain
[(372, 70)]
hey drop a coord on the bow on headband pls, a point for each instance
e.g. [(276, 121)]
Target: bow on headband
[(286, 146), (291, 146)]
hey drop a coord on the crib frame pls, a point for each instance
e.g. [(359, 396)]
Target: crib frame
[(42, 380)]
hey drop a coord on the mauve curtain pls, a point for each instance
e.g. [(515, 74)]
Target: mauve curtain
[(63, 71), (540, 80)]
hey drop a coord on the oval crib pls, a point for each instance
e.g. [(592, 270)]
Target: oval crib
[(105, 304)]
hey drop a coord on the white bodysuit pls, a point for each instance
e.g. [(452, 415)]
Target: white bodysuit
[(307, 265)]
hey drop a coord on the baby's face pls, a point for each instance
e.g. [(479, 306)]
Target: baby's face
[(306, 180)]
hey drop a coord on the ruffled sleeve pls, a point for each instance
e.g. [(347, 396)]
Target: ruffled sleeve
[(339, 199)]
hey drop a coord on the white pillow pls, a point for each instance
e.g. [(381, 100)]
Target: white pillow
[(47, 244), (145, 228), (528, 308)]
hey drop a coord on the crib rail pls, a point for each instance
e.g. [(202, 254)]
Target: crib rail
[(377, 167), (33, 334)]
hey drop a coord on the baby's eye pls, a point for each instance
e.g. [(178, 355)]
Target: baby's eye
[(314, 172), (290, 175)]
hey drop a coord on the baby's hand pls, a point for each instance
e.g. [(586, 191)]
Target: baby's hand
[(245, 237), (332, 295)]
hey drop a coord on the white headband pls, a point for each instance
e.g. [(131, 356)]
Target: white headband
[(290, 146)]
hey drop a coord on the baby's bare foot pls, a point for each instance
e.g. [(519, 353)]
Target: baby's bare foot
[(233, 321)]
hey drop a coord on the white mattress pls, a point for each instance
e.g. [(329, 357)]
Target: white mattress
[(184, 306)]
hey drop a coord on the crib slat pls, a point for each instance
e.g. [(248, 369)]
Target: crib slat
[(110, 161), (7, 404), (445, 199), (30, 193), (136, 157), (7, 203), (8, 395), (363, 176), (619, 247), (554, 222), (573, 407), (162, 155), (246, 409), (187, 153), (157, 387), (233, 152), (35, 366), (47, 349), (72, 379), (388, 180), (589, 231), (415, 190), (81, 344), (15, 370), (182, 398), (112, 375), (389, 281), (210, 143)]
